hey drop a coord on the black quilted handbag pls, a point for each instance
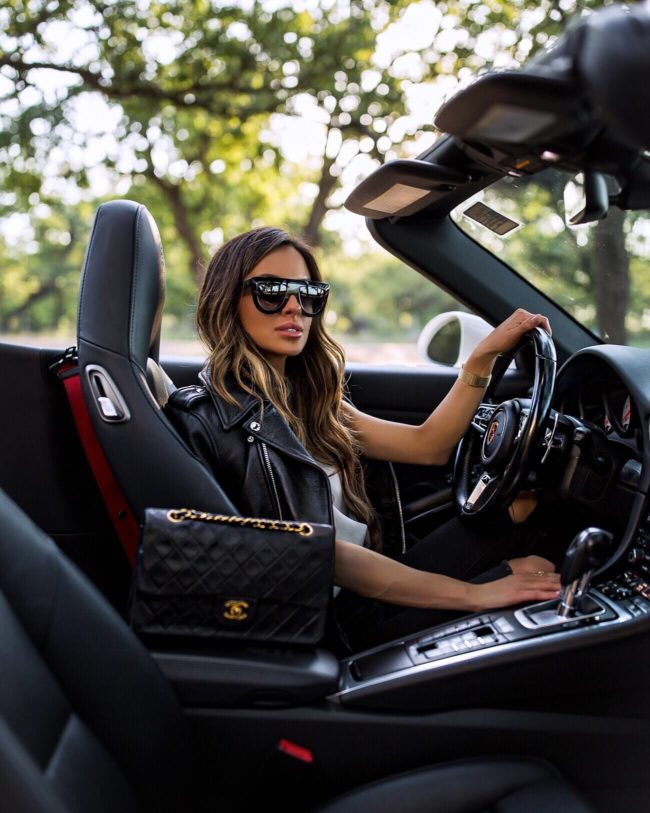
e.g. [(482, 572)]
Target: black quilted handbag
[(214, 576)]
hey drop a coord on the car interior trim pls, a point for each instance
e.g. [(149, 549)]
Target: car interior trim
[(571, 636)]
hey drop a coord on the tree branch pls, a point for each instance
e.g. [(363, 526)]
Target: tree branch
[(172, 193), (45, 290), (150, 90)]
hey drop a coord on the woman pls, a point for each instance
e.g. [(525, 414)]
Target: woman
[(272, 423)]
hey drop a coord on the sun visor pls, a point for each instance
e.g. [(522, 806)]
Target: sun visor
[(514, 109), (403, 187), (589, 83)]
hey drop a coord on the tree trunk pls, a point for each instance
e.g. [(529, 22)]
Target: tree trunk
[(311, 232), (612, 277), (183, 226)]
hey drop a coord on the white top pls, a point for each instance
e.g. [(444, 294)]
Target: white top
[(346, 528)]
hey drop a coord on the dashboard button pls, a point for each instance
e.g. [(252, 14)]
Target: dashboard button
[(503, 625)]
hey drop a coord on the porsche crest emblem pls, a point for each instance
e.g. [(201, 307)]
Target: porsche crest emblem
[(492, 430)]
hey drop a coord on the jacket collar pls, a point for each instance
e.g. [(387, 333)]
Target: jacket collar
[(269, 427), (230, 414)]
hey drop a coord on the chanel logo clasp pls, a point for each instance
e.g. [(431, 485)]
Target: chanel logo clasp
[(235, 610)]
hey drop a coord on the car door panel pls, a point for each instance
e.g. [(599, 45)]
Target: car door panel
[(43, 468), (409, 395)]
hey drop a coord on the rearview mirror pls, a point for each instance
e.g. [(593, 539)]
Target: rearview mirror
[(586, 198)]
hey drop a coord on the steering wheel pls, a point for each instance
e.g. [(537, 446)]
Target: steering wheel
[(502, 438)]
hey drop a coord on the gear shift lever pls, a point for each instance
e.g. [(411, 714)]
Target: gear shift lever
[(588, 550)]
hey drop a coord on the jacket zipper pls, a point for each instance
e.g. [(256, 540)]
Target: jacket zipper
[(267, 460), (398, 500)]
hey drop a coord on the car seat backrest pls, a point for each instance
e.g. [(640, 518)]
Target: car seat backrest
[(123, 288), (120, 312), (87, 721)]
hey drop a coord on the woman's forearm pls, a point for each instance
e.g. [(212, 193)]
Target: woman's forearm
[(375, 576), (432, 442), (440, 433), (449, 422)]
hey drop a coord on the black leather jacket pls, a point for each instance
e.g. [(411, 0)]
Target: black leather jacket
[(254, 455), (260, 463)]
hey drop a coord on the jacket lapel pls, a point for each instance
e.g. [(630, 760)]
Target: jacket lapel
[(267, 424), (271, 428), (230, 414)]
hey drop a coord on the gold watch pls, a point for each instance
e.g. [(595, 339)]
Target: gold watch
[(473, 380)]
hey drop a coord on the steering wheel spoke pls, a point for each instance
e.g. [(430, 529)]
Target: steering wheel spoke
[(523, 420), (481, 419), (485, 486)]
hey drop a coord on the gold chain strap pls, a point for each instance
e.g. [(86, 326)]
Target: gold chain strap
[(302, 528)]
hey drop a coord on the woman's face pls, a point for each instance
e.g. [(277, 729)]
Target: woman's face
[(285, 333)]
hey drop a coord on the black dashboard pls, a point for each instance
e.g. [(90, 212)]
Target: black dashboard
[(602, 395), (597, 395), (604, 392), (608, 386), (596, 446)]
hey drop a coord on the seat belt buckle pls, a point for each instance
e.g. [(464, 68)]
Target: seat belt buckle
[(66, 362)]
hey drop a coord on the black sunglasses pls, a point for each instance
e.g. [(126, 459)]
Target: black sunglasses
[(271, 294)]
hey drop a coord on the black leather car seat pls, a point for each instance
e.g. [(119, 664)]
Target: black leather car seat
[(88, 724), (120, 311)]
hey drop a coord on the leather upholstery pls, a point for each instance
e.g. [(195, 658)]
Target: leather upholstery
[(89, 725), (505, 785), (87, 721), (120, 307)]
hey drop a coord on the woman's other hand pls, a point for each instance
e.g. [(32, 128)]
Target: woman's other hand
[(531, 564), (516, 589)]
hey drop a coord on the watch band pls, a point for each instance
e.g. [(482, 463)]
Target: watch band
[(473, 380)]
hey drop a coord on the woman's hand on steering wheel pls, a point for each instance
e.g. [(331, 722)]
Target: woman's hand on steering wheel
[(509, 333)]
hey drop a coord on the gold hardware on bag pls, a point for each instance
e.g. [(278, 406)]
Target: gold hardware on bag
[(302, 528), (235, 610)]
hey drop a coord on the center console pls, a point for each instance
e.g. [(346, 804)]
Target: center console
[(513, 643)]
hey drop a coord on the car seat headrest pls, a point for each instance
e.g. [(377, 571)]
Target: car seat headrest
[(123, 283)]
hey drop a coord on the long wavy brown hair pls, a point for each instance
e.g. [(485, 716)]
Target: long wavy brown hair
[(310, 394)]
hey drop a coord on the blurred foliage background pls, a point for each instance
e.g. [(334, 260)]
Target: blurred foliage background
[(220, 117)]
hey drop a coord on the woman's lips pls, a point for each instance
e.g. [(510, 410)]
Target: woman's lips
[(290, 330)]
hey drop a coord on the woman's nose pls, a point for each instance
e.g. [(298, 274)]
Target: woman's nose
[(292, 305)]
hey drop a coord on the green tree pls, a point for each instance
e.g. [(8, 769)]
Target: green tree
[(192, 94), (194, 86)]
